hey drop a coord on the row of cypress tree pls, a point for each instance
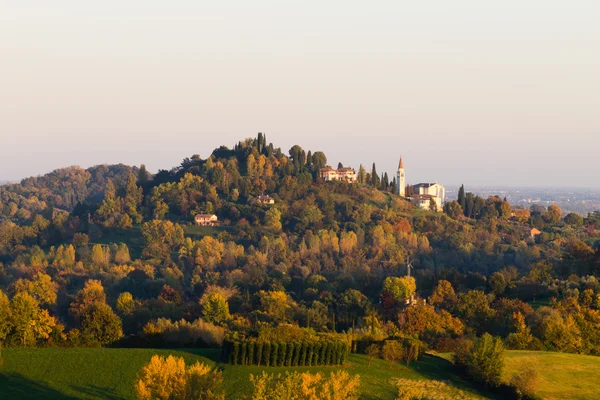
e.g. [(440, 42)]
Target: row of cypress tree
[(281, 354)]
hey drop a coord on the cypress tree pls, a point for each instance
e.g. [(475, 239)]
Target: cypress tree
[(461, 196), (374, 176)]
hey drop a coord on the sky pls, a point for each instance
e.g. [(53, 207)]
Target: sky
[(500, 93)]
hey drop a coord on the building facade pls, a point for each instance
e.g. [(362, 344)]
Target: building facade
[(329, 174)]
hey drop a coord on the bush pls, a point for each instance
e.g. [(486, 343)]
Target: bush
[(526, 382), (305, 386), (165, 333), (392, 351), (170, 378)]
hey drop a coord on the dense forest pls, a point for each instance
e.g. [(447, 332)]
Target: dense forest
[(112, 256)]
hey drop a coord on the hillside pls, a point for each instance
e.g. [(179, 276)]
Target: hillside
[(562, 376), (110, 373)]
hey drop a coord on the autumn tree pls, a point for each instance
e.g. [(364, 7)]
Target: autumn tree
[(161, 238), (169, 378), (443, 296), (553, 215)]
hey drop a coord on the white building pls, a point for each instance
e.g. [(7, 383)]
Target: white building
[(423, 193), (329, 174)]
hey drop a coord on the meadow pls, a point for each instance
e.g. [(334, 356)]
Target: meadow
[(104, 373), (111, 373)]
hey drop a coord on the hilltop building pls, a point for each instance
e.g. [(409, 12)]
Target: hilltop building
[(422, 194), (329, 174), (267, 200)]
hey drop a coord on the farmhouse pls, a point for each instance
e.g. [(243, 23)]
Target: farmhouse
[(262, 199), (206, 220)]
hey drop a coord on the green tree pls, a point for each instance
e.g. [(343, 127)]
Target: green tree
[(485, 362), (99, 323), (398, 289), (108, 213), (133, 199), (362, 174), (215, 308), (453, 209), (574, 219), (497, 283), (461, 197), (126, 305)]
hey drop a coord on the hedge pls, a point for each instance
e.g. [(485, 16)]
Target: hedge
[(322, 351)]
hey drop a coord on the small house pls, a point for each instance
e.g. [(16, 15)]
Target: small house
[(262, 199), (206, 220)]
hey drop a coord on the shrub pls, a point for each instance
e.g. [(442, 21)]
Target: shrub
[(282, 354), (526, 382), (267, 353), (305, 386), (392, 351), (250, 350), (169, 378), (409, 389), (163, 332), (373, 351), (274, 351), (243, 351)]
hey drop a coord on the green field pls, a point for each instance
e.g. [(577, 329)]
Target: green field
[(562, 376), (111, 373)]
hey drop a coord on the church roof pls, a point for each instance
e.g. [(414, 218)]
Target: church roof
[(424, 185)]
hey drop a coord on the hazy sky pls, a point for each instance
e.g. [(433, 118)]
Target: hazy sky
[(481, 92)]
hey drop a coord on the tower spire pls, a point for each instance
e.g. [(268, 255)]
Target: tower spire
[(400, 164), (401, 179)]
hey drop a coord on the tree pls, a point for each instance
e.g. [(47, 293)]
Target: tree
[(42, 289), (92, 293), (432, 204), (133, 199), (29, 323), (486, 361), (99, 323), (5, 316), (143, 176), (443, 296), (553, 215), (374, 177), (474, 308), (169, 378), (373, 351), (497, 283), (397, 290), (274, 304), (461, 197), (215, 308), (319, 160), (574, 219), (126, 305), (161, 238), (453, 209), (362, 174), (273, 219), (109, 210), (523, 337), (392, 351)]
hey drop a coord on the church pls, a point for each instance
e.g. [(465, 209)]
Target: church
[(421, 195)]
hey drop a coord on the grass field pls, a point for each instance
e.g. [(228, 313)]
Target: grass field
[(562, 376), (111, 373)]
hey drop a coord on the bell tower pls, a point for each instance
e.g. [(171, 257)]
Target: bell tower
[(401, 179)]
